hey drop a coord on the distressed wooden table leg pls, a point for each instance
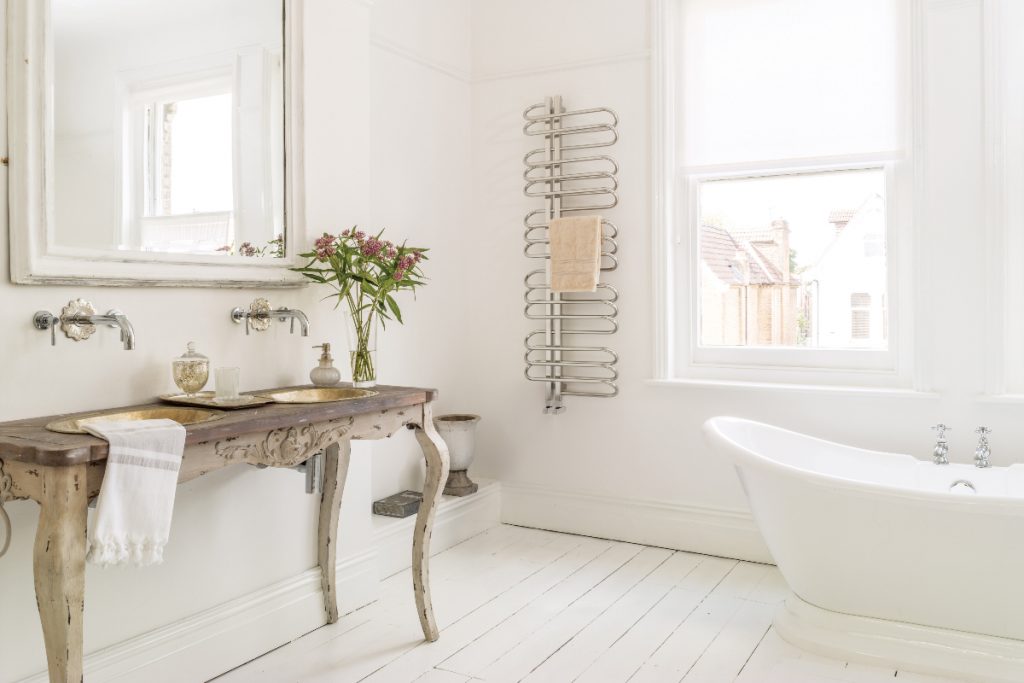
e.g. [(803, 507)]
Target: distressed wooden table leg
[(336, 457), (59, 562), (436, 452)]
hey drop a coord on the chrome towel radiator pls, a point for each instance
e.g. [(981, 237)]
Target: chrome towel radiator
[(571, 177)]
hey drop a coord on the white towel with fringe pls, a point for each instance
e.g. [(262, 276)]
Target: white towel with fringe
[(133, 512)]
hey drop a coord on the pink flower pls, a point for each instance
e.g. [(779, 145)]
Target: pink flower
[(399, 274), (344, 233), (325, 247), (247, 249), (372, 247)]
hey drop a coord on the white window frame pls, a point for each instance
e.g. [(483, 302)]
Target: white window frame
[(1004, 166), (676, 251)]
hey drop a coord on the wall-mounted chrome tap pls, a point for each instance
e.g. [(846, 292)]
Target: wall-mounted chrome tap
[(941, 450), (982, 451), (260, 314), (293, 314), (78, 321)]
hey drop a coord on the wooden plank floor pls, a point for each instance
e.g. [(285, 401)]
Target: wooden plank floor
[(519, 604)]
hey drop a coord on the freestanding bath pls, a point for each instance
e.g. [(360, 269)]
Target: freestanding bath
[(891, 559)]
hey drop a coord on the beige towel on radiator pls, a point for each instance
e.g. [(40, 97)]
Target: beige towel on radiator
[(575, 253)]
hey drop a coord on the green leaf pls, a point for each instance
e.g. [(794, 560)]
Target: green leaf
[(393, 305)]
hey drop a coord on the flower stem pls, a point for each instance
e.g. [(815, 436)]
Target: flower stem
[(361, 356)]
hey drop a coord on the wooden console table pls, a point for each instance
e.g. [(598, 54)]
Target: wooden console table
[(62, 472)]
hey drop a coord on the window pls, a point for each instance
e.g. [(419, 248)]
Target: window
[(179, 145), (188, 167), (779, 261), (860, 316), (787, 129)]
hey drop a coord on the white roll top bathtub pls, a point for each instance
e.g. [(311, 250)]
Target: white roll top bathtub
[(891, 559)]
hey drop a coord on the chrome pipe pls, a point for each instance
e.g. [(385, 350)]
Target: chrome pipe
[(112, 318), (293, 314)]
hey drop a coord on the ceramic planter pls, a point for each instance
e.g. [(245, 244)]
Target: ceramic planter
[(459, 432)]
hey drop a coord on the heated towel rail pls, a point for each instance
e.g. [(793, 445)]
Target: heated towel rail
[(571, 177)]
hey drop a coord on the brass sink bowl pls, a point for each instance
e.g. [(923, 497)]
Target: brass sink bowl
[(317, 394), (181, 415)]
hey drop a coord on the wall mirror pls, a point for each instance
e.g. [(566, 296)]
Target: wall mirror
[(154, 141)]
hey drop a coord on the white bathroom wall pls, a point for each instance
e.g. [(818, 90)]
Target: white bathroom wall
[(241, 530), (421, 191), (636, 467)]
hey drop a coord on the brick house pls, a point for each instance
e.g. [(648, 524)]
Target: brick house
[(749, 294)]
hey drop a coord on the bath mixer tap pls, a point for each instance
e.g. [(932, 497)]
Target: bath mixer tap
[(983, 451), (941, 450)]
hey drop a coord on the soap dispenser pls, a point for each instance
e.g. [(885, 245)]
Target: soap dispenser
[(325, 374)]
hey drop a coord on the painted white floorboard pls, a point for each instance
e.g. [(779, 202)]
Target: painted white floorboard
[(517, 604)]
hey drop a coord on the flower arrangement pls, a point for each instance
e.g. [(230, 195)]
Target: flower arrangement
[(366, 271), (274, 248)]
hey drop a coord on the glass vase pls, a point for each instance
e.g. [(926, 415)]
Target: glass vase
[(362, 347)]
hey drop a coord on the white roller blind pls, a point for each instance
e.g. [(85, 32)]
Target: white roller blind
[(784, 79)]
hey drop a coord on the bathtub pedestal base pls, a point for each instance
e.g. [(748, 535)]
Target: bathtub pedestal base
[(897, 645)]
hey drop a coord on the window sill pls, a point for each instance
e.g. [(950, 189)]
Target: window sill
[(866, 392), (1000, 399)]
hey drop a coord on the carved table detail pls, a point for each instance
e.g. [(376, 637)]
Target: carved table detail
[(285, 447), (61, 472), (6, 484)]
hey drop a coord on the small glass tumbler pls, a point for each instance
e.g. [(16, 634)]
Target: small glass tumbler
[(226, 380)]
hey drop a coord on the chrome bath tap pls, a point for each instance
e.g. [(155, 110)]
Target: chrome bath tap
[(941, 450), (983, 451)]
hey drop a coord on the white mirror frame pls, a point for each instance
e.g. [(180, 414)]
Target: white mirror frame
[(37, 259)]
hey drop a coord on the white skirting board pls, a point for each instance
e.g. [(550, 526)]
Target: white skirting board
[(221, 638), (922, 649), (707, 530), (216, 640)]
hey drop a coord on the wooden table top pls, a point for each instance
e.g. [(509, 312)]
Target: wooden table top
[(29, 440)]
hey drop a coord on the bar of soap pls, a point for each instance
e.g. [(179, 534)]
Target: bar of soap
[(401, 504)]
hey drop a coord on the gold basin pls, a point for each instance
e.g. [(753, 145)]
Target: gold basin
[(181, 415), (317, 394)]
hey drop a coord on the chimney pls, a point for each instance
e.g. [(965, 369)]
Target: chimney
[(840, 218), (780, 236)]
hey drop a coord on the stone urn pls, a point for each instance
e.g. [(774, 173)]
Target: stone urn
[(459, 433)]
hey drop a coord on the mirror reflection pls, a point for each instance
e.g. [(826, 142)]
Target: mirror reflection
[(169, 126)]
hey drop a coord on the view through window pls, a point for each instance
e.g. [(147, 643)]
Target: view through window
[(191, 169), (795, 260)]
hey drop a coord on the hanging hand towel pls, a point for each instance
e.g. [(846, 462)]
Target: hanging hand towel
[(575, 253), (133, 513)]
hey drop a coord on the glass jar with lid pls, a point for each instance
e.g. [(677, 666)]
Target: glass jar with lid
[(191, 370)]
